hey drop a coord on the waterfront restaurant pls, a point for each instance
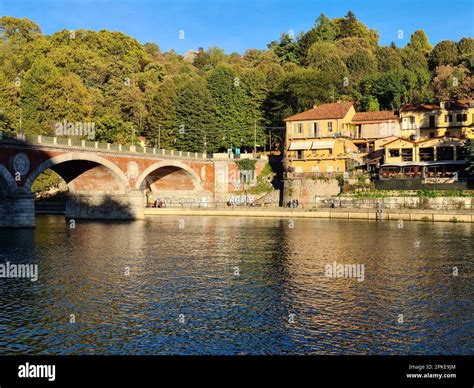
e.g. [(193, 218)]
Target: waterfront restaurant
[(438, 160)]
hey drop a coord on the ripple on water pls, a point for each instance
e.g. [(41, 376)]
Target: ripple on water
[(238, 286)]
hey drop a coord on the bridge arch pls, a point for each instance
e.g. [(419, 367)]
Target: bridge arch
[(179, 166), (77, 157), (8, 179)]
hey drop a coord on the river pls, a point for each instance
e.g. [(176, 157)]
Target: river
[(228, 285)]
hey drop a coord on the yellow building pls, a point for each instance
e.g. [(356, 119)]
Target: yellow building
[(439, 157), (428, 121), (318, 140)]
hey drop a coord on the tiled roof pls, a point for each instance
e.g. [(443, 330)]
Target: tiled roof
[(460, 104), (415, 107), (336, 110), (375, 116)]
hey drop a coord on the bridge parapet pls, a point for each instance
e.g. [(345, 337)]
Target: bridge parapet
[(98, 146)]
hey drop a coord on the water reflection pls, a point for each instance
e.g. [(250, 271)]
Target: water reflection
[(237, 286)]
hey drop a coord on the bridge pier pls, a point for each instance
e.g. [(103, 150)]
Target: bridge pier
[(105, 206), (17, 210)]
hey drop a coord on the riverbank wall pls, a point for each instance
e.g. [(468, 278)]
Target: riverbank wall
[(360, 214)]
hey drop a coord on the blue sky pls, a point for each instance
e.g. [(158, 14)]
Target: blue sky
[(236, 25)]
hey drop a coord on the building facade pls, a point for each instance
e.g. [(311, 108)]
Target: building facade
[(428, 121), (319, 140)]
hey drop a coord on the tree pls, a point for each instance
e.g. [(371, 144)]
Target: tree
[(161, 120), (64, 97), (466, 52), (444, 53), (10, 104), (18, 29), (369, 104), (40, 73), (414, 60), (323, 30), (419, 42), (287, 50), (202, 61), (112, 129), (361, 64), (452, 82), (195, 117), (391, 89), (349, 26), (388, 59), (238, 100)]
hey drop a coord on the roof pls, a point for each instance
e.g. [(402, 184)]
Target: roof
[(415, 107), (421, 141), (384, 115), (337, 110), (397, 139), (460, 104)]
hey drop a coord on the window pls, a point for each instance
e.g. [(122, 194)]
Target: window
[(412, 119), (448, 118), (407, 154), (299, 128), (445, 153), (394, 153), (316, 129), (432, 121), (329, 126), (426, 154), (432, 135), (329, 169), (447, 133)]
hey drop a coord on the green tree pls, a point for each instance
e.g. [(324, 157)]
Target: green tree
[(18, 29), (195, 117), (466, 52), (64, 97), (419, 42), (112, 129), (32, 90), (444, 53)]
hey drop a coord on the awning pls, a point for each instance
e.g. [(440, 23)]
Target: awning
[(422, 164), (320, 145), (300, 145)]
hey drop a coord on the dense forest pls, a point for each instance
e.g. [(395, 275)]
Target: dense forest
[(208, 99)]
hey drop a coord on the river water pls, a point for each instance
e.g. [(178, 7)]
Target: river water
[(212, 285)]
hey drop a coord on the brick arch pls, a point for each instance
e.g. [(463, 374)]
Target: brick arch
[(169, 163), (8, 178), (117, 172)]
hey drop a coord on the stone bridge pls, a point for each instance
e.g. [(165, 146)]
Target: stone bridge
[(107, 181)]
